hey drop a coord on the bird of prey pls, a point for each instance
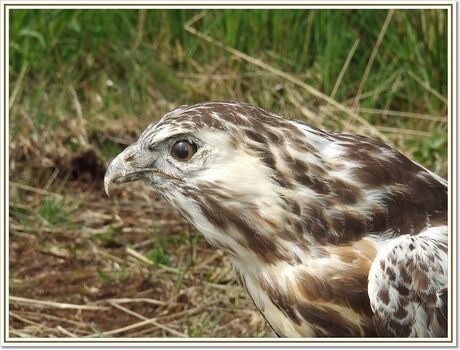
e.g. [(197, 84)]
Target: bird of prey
[(331, 234)]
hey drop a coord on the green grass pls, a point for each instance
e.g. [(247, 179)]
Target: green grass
[(59, 211), (22, 214), (130, 64), (53, 212), (158, 255)]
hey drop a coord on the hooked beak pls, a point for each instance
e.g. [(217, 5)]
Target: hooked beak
[(122, 170), (125, 168)]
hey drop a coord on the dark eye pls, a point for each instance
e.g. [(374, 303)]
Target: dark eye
[(183, 150)]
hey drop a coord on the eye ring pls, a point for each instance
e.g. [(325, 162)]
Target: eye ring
[(183, 150)]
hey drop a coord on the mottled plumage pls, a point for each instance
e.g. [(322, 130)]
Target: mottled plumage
[(331, 234)]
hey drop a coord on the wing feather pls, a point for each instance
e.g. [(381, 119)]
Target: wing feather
[(408, 285)]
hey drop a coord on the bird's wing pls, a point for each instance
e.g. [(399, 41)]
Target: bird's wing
[(408, 285)]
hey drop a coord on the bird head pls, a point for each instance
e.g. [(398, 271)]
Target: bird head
[(192, 146), (223, 165)]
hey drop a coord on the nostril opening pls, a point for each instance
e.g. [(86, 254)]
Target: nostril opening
[(129, 158)]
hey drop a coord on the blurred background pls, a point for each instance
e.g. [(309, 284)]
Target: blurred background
[(85, 83)]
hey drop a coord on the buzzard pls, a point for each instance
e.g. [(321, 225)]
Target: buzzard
[(331, 234)]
